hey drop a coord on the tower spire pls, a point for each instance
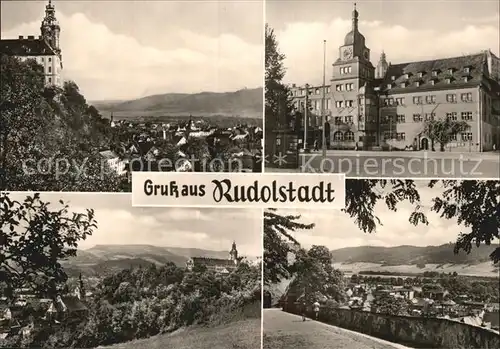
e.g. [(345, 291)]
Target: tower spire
[(355, 16)]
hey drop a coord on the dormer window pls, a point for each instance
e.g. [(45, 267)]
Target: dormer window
[(407, 76), (418, 83), (467, 70), (420, 74), (403, 84), (393, 78), (435, 72), (389, 86), (467, 78), (448, 80), (433, 82), (451, 71)]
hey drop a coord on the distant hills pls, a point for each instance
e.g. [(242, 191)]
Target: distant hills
[(242, 103), (411, 255), (104, 259)]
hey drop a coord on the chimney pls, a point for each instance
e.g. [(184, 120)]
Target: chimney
[(21, 37), (31, 37), (40, 37)]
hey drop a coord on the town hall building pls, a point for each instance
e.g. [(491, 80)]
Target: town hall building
[(386, 106), (44, 49)]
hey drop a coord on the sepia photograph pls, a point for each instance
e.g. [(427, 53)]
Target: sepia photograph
[(92, 90), (88, 271), (383, 89), (407, 264)]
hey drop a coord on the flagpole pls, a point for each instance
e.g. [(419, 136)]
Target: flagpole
[(323, 119)]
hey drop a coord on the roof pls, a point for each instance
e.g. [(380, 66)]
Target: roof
[(73, 303), (30, 46), (108, 154), (213, 261), (476, 63)]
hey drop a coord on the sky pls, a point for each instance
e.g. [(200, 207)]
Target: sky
[(335, 229), (118, 50), (204, 228), (405, 30)]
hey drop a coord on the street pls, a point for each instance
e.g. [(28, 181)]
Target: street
[(400, 164), (287, 331)]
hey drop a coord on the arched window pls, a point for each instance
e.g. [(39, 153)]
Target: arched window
[(338, 136), (349, 136)]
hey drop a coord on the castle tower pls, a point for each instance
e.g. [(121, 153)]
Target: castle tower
[(382, 66), (50, 29), (234, 253)]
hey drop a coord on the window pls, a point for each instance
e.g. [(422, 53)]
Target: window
[(361, 118), (407, 76), (50, 80), (349, 103), (467, 70), (389, 86), (393, 78), (349, 136), (453, 137), (338, 120), (328, 89), (328, 104), (317, 105), (339, 104), (430, 99), (338, 136), (385, 102), (451, 71), (401, 136), (466, 136), (420, 74), (451, 98), (400, 118), (400, 101), (429, 116), (452, 116), (417, 100), (349, 87), (467, 116), (345, 70), (418, 83), (448, 80), (348, 119), (466, 97), (50, 69), (316, 91), (339, 87), (417, 117), (50, 59)]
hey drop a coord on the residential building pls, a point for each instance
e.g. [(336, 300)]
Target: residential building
[(44, 49), (387, 106), (114, 162)]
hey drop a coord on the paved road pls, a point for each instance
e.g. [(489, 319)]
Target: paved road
[(404, 164), (287, 331)]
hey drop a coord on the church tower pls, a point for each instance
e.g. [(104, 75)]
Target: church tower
[(234, 253), (50, 29), (382, 66)]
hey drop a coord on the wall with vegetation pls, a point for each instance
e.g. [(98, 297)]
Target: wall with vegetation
[(411, 331)]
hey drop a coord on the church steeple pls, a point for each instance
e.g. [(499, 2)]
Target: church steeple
[(50, 29), (382, 66), (234, 253)]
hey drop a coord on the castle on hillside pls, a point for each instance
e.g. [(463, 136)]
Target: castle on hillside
[(44, 49), (385, 106), (222, 266)]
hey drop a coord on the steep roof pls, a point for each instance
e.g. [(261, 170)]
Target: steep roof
[(30, 46), (213, 261), (476, 64), (108, 154), (73, 303)]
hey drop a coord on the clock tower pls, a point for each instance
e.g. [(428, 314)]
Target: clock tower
[(352, 77)]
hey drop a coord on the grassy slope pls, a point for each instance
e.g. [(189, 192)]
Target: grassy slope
[(243, 334)]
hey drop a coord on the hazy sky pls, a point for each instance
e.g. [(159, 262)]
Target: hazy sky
[(127, 49), (406, 30), (119, 223), (336, 229)]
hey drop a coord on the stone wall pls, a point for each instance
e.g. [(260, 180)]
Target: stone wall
[(411, 331)]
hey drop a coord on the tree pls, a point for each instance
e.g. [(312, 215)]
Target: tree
[(34, 240), (390, 305), (316, 277), (278, 100), (443, 131), (278, 242)]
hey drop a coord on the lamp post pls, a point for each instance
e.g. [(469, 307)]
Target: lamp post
[(323, 119), (306, 116)]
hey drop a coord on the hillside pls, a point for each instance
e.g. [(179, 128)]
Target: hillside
[(242, 103), (412, 255), (104, 259)]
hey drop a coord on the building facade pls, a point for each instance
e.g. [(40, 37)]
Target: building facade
[(222, 266), (386, 106), (44, 49)]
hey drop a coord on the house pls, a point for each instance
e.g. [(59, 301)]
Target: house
[(114, 162), (67, 308)]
